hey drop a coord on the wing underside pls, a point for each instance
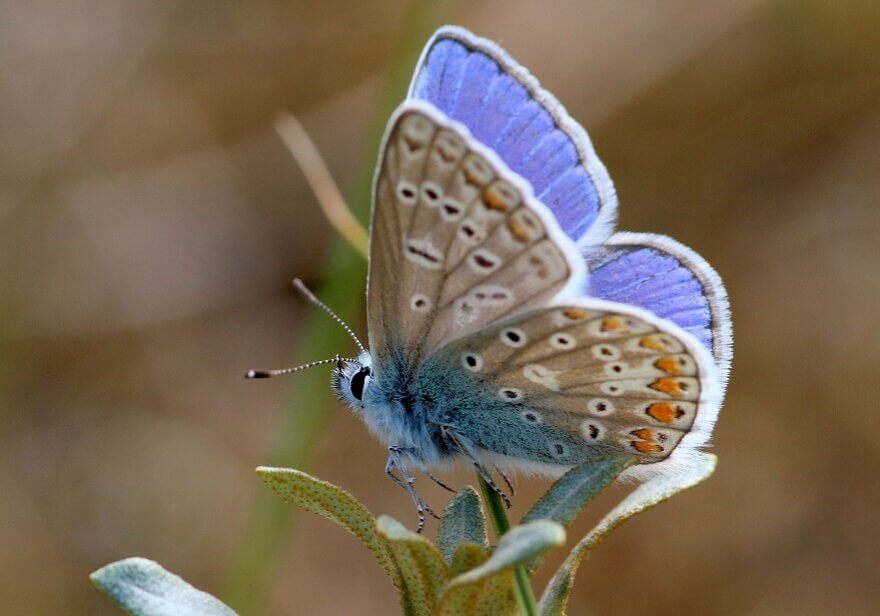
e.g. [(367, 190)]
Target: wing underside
[(590, 377), (457, 241)]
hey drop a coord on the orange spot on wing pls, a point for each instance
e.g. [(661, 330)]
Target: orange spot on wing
[(653, 342), (668, 364), (493, 200), (643, 447), (518, 231), (669, 385), (575, 314), (664, 412), (644, 433), (610, 324)]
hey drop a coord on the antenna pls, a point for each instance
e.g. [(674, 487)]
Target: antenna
[(298, 284), (265, 374)]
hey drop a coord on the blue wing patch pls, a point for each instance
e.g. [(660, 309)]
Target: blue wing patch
[(474, 81)]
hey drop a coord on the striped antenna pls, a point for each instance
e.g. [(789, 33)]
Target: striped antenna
[(299, 286), (265, 374)]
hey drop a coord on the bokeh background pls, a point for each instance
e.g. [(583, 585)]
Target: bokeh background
[(151, 219)]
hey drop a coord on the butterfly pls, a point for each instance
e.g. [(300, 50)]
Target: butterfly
[(509, 327)]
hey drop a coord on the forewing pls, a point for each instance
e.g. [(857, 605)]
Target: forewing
[(608, 376), (670, 280), (457, 240), (474, 81)]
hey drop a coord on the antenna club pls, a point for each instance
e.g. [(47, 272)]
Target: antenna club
[(257, 374)]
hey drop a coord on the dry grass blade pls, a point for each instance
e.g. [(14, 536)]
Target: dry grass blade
[(329, 197)]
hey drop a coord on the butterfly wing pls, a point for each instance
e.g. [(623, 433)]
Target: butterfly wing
[(561, 384), (475, 82), (670, 280), (457, 240)]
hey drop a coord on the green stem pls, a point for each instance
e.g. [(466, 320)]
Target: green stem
[(522, 587)]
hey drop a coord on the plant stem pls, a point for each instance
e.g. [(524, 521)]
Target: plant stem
[(522, 587)]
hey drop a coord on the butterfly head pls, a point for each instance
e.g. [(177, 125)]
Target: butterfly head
[(352, 379)]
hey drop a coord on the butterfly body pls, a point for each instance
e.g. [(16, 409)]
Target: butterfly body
[(432, 413)]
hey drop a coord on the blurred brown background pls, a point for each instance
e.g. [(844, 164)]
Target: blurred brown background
[(150, 221)]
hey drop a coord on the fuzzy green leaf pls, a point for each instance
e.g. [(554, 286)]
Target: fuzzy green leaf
[(421, 566), (466, 557), (566, 498), (492, 596), (335, 504), (142, 587), (463, 522), (647, 495), (516, 547), (488, 588)]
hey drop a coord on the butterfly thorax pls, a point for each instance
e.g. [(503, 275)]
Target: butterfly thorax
[(399, 407), (417, 410)]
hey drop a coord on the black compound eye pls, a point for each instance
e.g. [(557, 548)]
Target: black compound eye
[(358, 381)]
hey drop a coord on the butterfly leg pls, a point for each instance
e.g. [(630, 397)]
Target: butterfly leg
[(395, 459), (438, 482), (487, 477), (412, 451), (506, 481), (464, 447)]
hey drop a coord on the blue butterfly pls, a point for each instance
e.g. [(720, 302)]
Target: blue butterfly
[(508, 326)]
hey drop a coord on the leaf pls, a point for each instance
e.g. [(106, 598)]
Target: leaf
[(421, 566), (466, 557), (488, 588), (516, 547), (335, 504), (142, 587), (492, 596), (650, 493), (463, 522), (566, 498)]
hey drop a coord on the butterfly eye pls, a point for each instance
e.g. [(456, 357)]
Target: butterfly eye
[(358, 381)]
